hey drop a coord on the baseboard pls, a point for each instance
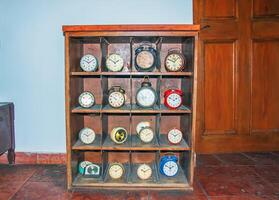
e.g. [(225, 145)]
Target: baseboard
[(36, 158)]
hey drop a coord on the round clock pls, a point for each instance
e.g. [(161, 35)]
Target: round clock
[(146, 96), (174, 61), (168, 165), (89, 63), (144, 171), (114, 62), (92, 170), (116, 97), (87, 135), (116, 170), (173, 98), (146, 134), (86, 99), (142, 125), (145, 57), (119, 135), (82, 165), (175, 136)]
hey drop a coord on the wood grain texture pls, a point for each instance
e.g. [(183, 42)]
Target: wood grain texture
[(251, 86)]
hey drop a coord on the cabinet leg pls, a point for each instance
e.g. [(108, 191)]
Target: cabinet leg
[(11, 156)]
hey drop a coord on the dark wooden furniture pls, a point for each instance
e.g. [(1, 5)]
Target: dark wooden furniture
[(101, 40), (238, 86), (7, 135)]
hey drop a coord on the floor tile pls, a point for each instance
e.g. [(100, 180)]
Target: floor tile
[(207, 160), (235, 159), (269, 173), (264, 158), (9, 188), (109, 195), (42, 191), (175, 195), (16, 172), (52, 173)]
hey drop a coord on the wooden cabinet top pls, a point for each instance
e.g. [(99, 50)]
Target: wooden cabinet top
[(139, 27)]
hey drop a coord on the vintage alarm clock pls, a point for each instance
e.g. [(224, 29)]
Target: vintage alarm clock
[(89, 63), (114, 62), (146, 96), (87, 135), (145, 57), (174, 61), (144, 171), (86, 99), (146, 134), (119, 135), (82, 166), (142, 125), (116, 97), (89, 169), (168, 165), (173, 98), (175, 136), (116, 170)]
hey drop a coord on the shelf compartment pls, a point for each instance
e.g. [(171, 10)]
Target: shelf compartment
[(96, 145), (165, 145), (110, 145)]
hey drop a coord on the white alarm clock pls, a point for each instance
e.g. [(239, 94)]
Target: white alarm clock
[(144, 171), (146, 134), (87, 135), (175, 136), (86, 99), (89, 63), (116, 170), (114, 62), (146, 96)]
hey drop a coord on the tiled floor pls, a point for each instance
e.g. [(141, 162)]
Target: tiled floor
[(249, 176)]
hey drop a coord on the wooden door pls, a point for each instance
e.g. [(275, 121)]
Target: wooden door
[(238, 81)]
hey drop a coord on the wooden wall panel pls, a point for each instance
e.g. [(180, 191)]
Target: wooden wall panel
[(225, 8), (219, 87), (265, 8), (265, 89)]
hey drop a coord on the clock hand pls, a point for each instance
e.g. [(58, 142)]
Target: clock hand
[(112, 61), (116, 61)]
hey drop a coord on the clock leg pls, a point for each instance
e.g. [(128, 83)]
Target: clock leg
[(11, 156)]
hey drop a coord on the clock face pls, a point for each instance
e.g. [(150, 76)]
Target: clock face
[(82, 166), (89, 63), (115, 62), (87, 135), (175, 136), (174, 62), (146, 97), (116, 99), (119, 135), (145, 59), (144, 171), (142, 125), (86, 99), (174, 100), (92, 169), (170, 168), (146, 134), (116, 170)]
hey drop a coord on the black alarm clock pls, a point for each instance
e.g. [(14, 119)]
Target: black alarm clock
[(145, 57)]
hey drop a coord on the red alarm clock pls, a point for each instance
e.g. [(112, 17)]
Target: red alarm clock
[(173, 98)]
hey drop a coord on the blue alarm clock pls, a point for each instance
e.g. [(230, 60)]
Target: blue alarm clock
[(168, 165), (145, 57)]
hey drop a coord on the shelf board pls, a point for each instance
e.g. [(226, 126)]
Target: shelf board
[(181, 109), (110, 145), (165, 145), (93, 109), (137, 144), (124, 109), (96, 145), (131, 74), (137, 109)]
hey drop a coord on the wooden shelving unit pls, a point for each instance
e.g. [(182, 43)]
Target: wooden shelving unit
[(100, 41)]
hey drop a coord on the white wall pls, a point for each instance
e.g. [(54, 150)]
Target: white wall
[(32, 56)]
